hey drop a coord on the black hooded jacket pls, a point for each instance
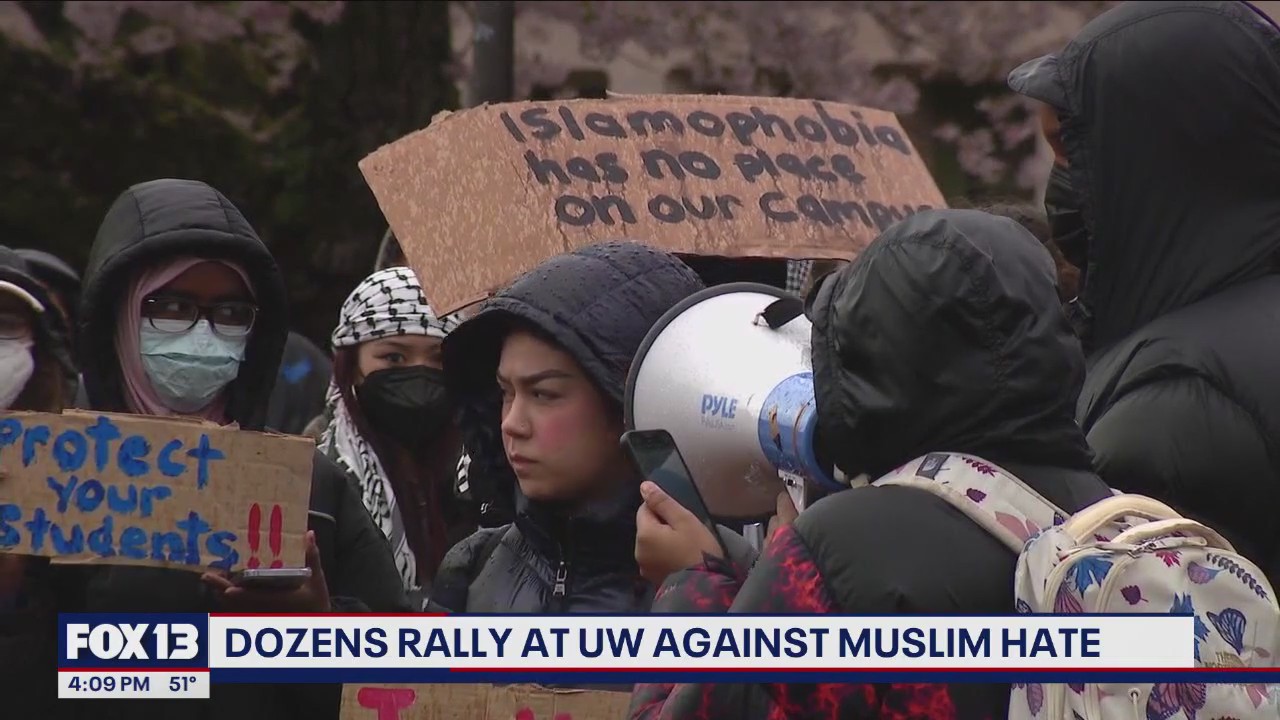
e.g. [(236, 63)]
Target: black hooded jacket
[(51, 334), (28, 632), (598, 304), (55, 273), (945, 334), (1171, 124), (55, 279), (148, 224)]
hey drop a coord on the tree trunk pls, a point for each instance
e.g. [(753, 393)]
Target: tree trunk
[(382, 73)]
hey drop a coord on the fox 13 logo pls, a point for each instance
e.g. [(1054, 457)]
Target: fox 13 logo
[(133, 640)]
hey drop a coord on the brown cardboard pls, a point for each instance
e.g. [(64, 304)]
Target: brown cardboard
[(479, 702), (139, 503), (483, 195)]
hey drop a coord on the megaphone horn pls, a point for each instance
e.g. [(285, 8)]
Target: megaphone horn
[(727, 372)]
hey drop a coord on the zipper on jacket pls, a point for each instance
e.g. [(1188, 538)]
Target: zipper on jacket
[(560, 591), (562, 580)]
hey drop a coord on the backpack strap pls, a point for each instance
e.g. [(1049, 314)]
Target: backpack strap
[(992, 497), (1131, 508)]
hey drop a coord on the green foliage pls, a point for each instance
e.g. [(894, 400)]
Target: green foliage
[(82, 126)]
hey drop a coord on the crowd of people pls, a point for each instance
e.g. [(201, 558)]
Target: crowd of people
[(1119, 338)]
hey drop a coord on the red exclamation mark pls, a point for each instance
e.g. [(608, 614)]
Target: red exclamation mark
[(255, 529), (276, 536)]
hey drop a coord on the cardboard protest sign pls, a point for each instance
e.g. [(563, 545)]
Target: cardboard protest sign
[(484, 194), (136, 490), (479, 702)]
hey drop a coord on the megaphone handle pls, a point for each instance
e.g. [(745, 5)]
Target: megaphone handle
[(795, 486), (782, 311)]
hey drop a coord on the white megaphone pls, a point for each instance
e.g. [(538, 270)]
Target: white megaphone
[(727, 372)]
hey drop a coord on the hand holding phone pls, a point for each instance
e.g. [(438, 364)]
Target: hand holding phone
[(274, 590), (657, 459)]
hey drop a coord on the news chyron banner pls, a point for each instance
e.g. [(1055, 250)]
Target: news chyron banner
[(178, 656)]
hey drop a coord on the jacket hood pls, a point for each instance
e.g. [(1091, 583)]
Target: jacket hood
[(51, 269), (946, 334), (50, 330), (1170, 118), (597, 303), (147, 225)]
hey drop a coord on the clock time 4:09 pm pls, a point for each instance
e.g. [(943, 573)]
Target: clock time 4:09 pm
[(168, 684)]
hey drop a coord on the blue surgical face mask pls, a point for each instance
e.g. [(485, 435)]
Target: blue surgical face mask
[(189, 369)]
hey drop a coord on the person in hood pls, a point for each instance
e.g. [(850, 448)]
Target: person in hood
[(34, 354), (183, 314), (538, 374), (299, 393), (946, 333), (1169, 208), (392, 426), (60, 280), (34, 360), (62, 283)]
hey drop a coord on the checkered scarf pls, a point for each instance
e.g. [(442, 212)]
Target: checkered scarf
[(797, 273), (388, 303)]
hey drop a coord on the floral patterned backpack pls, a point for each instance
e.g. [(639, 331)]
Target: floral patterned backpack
[(1124, 554)]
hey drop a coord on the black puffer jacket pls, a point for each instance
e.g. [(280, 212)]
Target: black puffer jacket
[(945, 334), (148, 224), (28, 626), (1181, 201), (597, 303)]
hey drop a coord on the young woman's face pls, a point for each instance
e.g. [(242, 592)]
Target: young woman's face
[(398, 351), (204, 285), (559, 432)]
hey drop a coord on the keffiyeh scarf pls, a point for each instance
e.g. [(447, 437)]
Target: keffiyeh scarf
[(388, 303)]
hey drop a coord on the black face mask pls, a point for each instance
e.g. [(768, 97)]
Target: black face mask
[(409, 405), (1063, 206)]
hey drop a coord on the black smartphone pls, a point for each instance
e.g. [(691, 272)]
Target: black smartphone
[(658, 460)]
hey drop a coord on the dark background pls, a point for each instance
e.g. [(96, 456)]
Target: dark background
[(274, 103)]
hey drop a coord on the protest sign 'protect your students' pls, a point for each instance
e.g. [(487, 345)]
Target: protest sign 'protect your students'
[(126, 489)]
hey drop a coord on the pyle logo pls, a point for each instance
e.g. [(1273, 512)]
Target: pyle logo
[(176, 641)]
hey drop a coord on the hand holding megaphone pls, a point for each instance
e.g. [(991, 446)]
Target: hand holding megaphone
[(785, 514)]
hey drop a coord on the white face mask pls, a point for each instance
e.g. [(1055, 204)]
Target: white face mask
[(16, 367), (189, 369)]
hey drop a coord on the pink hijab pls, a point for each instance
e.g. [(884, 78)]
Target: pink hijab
[(139, 396)]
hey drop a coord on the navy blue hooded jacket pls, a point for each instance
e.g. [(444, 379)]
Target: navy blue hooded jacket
[(597, 303)]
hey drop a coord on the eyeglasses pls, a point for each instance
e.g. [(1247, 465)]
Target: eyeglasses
[(176, 315), (14, 326)]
